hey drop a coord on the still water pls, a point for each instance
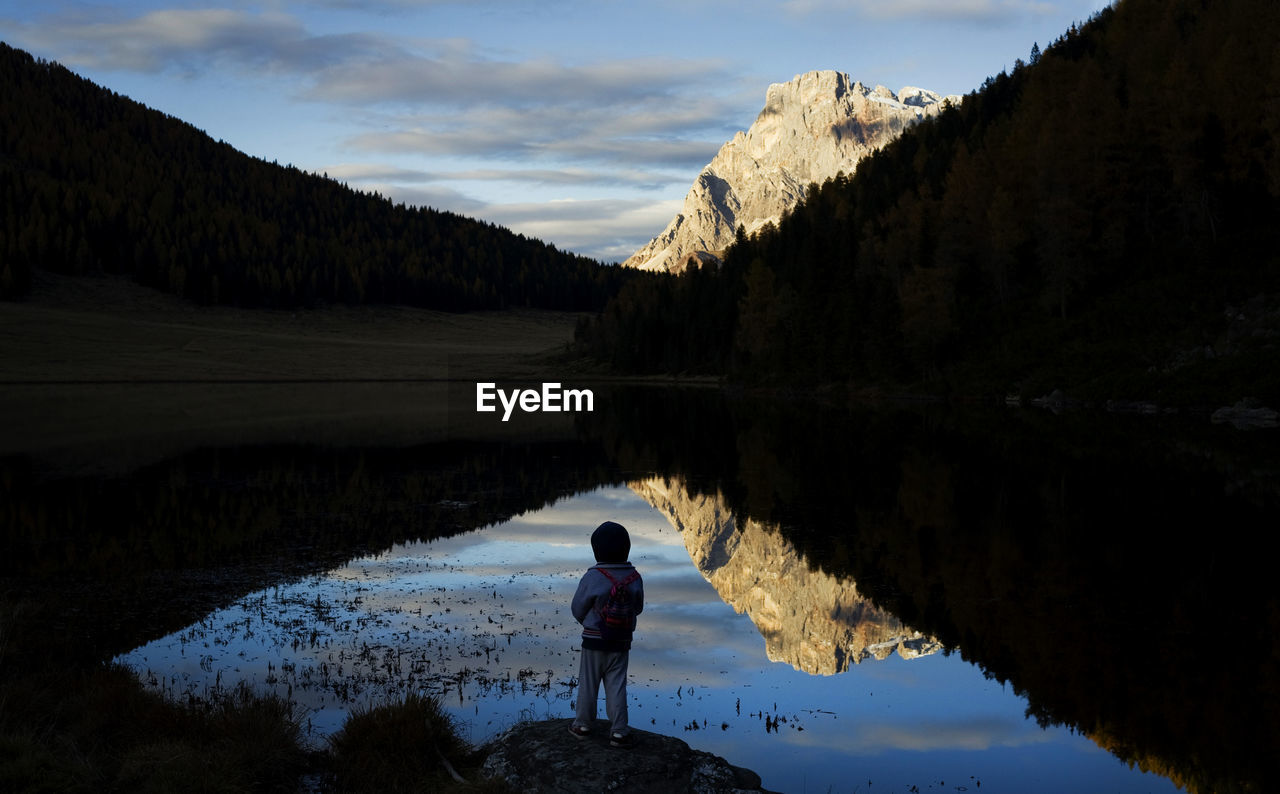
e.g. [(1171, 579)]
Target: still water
[(742, 651)]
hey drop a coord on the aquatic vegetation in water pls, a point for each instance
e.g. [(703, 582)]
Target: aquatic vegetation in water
[(479, 623), (376, 630)]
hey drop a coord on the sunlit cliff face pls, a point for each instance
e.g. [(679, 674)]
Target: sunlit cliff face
[(809, 619)]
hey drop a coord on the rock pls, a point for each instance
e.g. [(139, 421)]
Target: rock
[(811, 129), (1132, 407), (1056, 401), (543, 757), (1246, 415)]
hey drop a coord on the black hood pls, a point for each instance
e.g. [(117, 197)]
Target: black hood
[(611, 543)]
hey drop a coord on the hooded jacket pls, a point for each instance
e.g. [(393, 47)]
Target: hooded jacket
[(593, 593)]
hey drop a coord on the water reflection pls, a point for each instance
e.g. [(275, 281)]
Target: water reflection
[(813, 621), (481, 620), (1085, 562)]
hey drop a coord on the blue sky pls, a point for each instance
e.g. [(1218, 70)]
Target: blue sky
[(582, 123)]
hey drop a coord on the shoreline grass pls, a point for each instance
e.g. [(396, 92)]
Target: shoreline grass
[(407, 745), (103, 730)]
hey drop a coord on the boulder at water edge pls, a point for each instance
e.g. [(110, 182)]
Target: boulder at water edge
[(544, 757)]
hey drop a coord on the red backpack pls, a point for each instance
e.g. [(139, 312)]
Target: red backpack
[(618, 614)]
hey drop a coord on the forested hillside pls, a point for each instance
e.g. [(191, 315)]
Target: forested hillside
[(1101, 218), (91, 181)]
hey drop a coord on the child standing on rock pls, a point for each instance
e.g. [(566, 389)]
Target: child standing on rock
[(609, 597)]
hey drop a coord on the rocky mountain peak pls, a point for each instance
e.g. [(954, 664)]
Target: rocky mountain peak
[(810, 129)]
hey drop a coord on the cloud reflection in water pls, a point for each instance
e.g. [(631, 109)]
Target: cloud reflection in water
[(482, 620)]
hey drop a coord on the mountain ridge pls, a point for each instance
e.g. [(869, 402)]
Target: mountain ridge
[(815, 126), (1098, 221), (92, 181)]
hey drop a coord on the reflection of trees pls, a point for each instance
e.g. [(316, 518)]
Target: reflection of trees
[(109, 563), (1106, 567), (1121, 595)]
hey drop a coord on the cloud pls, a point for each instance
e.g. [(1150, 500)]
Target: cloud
[(631, 113), (979, 733), (974, 733), (192, 40), (370, 173), (681, 132), (357, 68), (458, 75), (399, 6), (436, 196), (471, 115), (649, 149), (976, 11), (644, 180), (440, 96), (607, 229), (483, 141)]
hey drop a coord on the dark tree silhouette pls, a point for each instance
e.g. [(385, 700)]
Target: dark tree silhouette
[(91, 181), (1082, 221)]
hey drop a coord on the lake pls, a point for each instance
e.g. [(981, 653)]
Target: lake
[(982, 600)]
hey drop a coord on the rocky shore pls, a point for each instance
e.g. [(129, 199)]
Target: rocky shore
[(544, 757)]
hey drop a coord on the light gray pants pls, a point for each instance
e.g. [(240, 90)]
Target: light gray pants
[(611, 668)]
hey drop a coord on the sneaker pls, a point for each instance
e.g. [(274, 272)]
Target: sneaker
[(579, 731), (621, 740)]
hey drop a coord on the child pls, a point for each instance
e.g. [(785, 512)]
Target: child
[(606, 643)]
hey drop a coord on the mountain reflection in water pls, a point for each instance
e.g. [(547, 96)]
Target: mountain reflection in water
[(481, 621), (813, 621), (1081, 568)]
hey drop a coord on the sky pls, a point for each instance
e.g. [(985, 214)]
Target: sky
[(580, 123)]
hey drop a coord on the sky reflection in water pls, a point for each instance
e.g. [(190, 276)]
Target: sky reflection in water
[(482, 620)]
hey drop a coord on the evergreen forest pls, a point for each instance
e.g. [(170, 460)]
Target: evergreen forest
[(94, 182), (1101, 218)]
